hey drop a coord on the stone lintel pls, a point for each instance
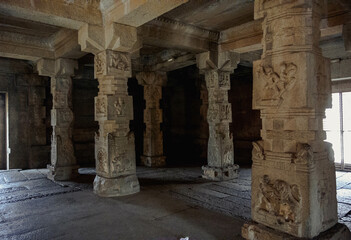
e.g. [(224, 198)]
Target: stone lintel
[(58, 67), (136, 13), (114, 36)]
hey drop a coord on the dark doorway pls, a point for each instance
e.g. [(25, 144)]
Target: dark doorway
[(3, 142)]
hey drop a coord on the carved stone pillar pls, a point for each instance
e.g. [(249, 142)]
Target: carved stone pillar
[(63, 162), (153, 137), (293, 175), (114, 143), (217, 68)]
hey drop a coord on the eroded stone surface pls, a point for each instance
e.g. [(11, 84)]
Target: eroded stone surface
[(153, 136), (217, 68), (63, 162), (293, 174), (114, 143)]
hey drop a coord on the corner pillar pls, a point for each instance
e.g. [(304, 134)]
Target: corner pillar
[(293, 175), (63, 162), (217, 68), (153, 136)]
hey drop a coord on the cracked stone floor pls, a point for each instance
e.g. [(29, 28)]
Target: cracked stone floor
[(174, 203)]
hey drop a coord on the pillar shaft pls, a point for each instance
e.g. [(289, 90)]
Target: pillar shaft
[(114, 143), (220, 156), (63, 162), (293, 175), (153, 136)]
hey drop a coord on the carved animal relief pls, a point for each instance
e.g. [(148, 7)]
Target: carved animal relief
[(279, 199)]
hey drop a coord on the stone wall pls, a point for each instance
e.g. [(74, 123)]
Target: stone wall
[(28, 114)]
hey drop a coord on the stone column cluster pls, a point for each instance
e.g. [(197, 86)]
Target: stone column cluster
[(114, 143), (63, 163), (293, 174), (153, 137), (217, 68)]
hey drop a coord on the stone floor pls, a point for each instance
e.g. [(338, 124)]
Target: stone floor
[(173, 203)]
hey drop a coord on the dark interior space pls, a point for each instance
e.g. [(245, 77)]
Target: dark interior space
[(85, 88)]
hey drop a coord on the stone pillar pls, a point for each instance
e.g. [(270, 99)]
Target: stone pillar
[(63, 162), (293, 175), (114, 143), (217, 68), (153, 137)]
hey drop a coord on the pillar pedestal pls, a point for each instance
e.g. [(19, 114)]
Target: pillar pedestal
[(116, 187), (62, 173), (255, 231)]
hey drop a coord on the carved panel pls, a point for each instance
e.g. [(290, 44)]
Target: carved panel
[(257, 152), (275, 85), (279, 199)]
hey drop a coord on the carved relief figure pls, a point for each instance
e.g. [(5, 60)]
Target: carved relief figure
[(276, 85), (279, 199), (100, 106), (304, 155), (120, 106), (99, 64), (119, 61), (101, 159)]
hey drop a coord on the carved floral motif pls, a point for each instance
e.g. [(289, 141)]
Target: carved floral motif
[(279, 199)]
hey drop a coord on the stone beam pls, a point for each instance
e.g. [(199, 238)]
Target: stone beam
[(68, 14), (23, 51), (167, 33), (175, 63), (247, 37), (65, 44), (135, 12)]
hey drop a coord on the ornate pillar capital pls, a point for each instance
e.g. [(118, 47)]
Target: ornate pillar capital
[(219, 61), (152, 78), (113, 36)]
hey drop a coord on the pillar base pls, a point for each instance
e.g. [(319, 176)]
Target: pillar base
[(157, 161), (220, 174), (116, 187), (62, 173), (253, 231)]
